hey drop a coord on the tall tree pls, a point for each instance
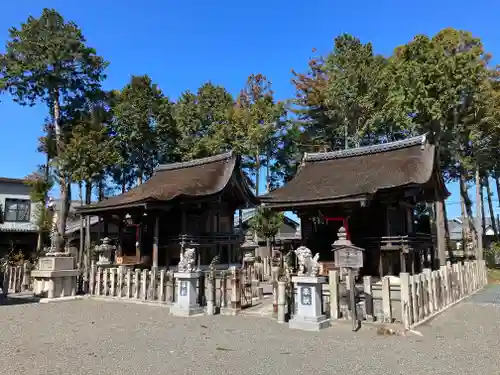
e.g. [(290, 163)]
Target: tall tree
[(47, 59), (202, 120), (135, 118), (355, 91), (88, 153), (256, 119), (435, 86)]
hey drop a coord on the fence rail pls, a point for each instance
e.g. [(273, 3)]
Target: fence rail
[(16, 279), (159, 286), (409, 299)]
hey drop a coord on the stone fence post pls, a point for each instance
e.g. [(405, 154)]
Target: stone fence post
[(26, 277), (235, 300), (281, 301), (334, 281), (211, 293), (405, 300), (92, 278)]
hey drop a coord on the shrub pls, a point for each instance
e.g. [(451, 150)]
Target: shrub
[(492, 255)]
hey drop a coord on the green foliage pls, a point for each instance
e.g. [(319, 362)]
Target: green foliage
[(142, 126), (46, 58), (203, 121), (40, 186), (89, 150), (354, 91), (492, 255), (256, 127), (266, 223)]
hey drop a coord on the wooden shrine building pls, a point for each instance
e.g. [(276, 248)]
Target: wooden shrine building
[(192, 201), (371, 191)]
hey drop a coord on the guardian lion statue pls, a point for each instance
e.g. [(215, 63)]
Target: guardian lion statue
[(308, 265), (186, 263)]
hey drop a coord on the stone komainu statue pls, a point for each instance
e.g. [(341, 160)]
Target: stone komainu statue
[(308, 265), (186, 263)]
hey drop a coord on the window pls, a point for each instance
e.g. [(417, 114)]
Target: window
[(17, 210)]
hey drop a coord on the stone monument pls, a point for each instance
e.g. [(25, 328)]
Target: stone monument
[(186, 278), (55, 275), (308, 316)]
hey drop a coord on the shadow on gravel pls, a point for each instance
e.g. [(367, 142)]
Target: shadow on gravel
[(11, 301)]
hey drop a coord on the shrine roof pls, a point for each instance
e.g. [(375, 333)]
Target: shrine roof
[(196, 178), (358, 173)]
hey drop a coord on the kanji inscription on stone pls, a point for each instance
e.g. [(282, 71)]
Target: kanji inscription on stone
[(183, 288), (349, 257), (305, 296)]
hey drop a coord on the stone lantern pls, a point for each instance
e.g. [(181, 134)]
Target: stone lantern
[(104, 252), (248, 248)]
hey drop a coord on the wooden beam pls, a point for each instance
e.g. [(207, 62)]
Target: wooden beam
[(156, 236)]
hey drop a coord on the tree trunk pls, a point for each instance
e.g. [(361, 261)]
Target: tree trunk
[(467, 203), (483, 216), (100, 197), (88, 196), (479, 208), (124, 182), (465, 223), (447, 232), (490, 207), (257, 183), (497, 183), (81, 248), (64, 181)]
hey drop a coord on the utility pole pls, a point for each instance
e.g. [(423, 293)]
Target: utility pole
[(479, 210)]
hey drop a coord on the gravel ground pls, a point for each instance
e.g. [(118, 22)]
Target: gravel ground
[(97, 337)]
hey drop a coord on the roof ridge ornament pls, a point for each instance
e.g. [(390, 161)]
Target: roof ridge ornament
[(195, 162), (365, 150)]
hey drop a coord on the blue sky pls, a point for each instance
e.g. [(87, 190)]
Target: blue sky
[(184, 44)]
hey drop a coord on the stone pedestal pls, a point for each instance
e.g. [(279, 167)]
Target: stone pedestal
[(55, 277), (309, 316), (187, 298)]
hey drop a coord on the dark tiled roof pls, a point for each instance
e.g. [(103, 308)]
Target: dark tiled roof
[(191, 179), (357, 173), (13, 180)]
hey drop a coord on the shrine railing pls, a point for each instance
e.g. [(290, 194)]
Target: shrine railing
[(406, 243), (207, 239)]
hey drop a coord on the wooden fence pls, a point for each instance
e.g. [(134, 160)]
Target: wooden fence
[(159, 286), (16, 279), (409, 300)]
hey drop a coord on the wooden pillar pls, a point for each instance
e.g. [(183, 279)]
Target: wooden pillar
[(381, 264), (402, 259), (217, 226), (105, 227), (183, 220), (138, 249), (156, 235), (440, 232), (409, 220)]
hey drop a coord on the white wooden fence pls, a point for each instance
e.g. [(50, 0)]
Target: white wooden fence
[(159, 286), (413, 298), (16, 279), (145, 285)]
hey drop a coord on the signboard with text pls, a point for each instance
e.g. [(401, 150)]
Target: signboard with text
[(349, 257)]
